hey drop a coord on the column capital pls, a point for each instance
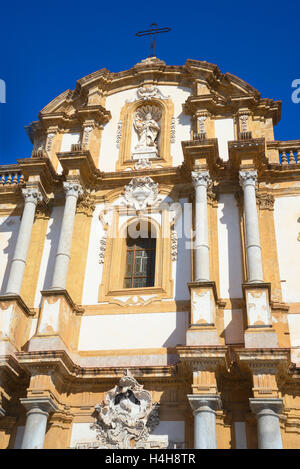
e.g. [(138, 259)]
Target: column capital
[(207, 402), (32, 194), (248, 178), (201, 178), (44, 404), (273, 405), (73, 188)]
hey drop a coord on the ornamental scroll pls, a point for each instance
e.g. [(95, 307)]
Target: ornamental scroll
[(126, 417)]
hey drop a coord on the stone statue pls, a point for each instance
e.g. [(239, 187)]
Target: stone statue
[(146, 124)]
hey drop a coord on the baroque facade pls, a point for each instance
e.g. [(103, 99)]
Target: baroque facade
[(149, 268)]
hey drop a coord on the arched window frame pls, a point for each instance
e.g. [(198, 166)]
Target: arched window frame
[(113, 278)]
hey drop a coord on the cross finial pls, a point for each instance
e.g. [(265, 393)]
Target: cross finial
[(152, 33)]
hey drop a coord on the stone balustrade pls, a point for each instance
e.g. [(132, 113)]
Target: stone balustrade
[(288, 151), (10, 175)]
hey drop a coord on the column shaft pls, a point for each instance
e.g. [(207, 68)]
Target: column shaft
[(35, 429), (268, 424), (253, 248), (73, 190), (204, 410), (201, 247), (32, 197)]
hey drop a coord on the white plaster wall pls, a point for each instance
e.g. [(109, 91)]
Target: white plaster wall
[(229, 241), (9, 228), (82, 433), (93, 271), (224, 132), (130, 331), (68, 140), (167, 431), (182, 267), (49, 253), (233, 326), (114, 103), (287, 228)]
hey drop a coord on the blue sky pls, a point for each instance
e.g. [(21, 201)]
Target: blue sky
[(46, 47)]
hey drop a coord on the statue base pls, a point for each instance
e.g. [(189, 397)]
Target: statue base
[(145, 152)]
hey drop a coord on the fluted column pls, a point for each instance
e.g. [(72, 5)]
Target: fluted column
[(268, 425), (36, 422), (201, 180), (73, 191), (255, 272), (204, 409), (31, 196)]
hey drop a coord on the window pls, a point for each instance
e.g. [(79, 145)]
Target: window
[(140, 262)]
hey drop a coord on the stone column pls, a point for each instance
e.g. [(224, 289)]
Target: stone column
[(201, 180), (73, 191), (37, 415), (204, 410), (32, 196), (268, 426), (255, 273)]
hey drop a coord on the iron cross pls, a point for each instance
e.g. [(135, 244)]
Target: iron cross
[(152, 33)]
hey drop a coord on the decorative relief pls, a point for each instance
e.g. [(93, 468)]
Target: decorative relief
[(147, 93), (119, 134), (102, 249), (265, 201), (143, 163), (86, 135), (141, 192), (126, 417), (174, 245), (201, 121), (86, 204), (244, 122), (212, 197), (50, 138), (173, 130)]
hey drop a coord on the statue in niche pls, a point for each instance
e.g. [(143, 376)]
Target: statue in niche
[(146, 124)]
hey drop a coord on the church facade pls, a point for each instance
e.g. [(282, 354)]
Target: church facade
[(149, 268)]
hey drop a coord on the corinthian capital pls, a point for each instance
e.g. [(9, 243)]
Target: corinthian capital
[(201, 178), (73, 188), (248, 178), (32, 194)]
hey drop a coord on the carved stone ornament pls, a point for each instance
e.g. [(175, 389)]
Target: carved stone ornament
[(248, 178), (147, 93), (173, 131), (174, 245), (31, 194), (126, 416), (141, 192), (102, 249), (146, 124), (119, 134), (143, 163), (86, 135), (86, 204), (73, 188), (244, 122), (201, 120), (50, 137), (265, 201), (201, 178)]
